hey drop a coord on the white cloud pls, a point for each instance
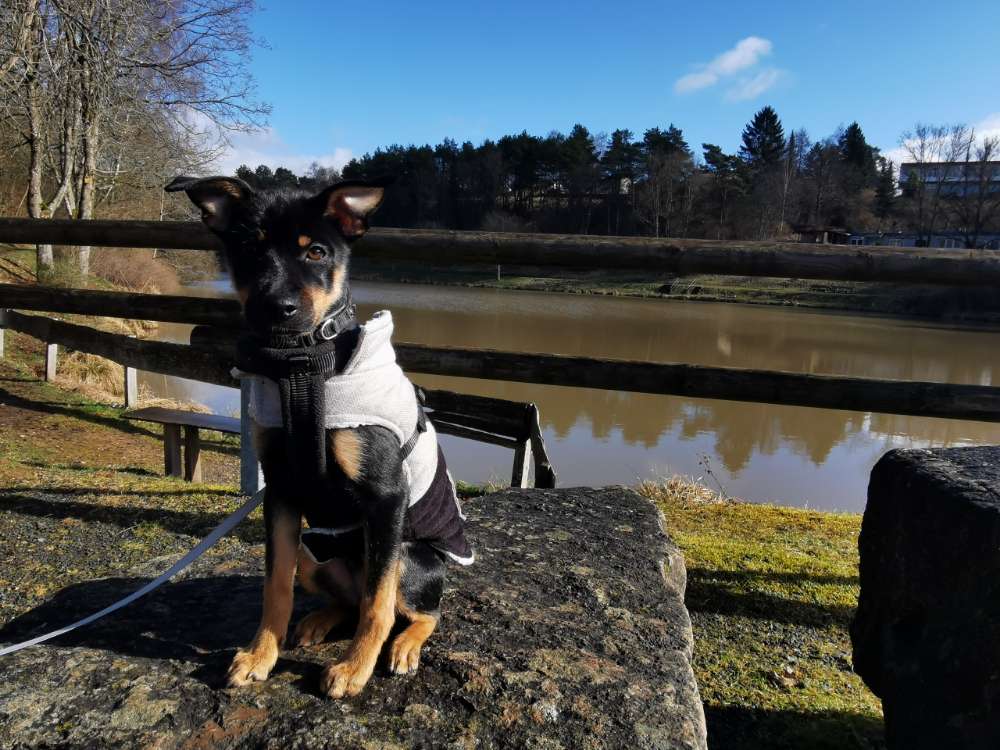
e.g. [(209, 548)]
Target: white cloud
[(745, 54), (989, 126), (265, 146), (750, 88)]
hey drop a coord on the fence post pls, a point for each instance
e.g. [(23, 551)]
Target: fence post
[(131, 388), (3, 321), (51, 355), (251, 477)]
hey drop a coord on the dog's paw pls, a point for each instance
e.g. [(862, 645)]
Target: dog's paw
[(345, 678), (250, 666), (314, 627), (405, 654)]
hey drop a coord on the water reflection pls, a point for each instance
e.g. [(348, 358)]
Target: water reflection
[(792, 455)]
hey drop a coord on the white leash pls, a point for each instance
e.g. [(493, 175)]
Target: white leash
[(216, 534)]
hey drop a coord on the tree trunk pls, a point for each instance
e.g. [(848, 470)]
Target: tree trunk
[(88, 188), (88, 171), (36, 144)]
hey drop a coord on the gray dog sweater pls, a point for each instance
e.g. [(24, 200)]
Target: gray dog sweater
[(373, 390)]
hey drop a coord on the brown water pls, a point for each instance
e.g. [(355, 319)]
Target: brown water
[(818, 458)]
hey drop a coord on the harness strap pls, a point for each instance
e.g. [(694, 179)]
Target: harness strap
[(300, 364), (410, 444)]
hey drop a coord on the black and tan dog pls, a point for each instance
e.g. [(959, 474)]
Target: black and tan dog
[(385, 550)]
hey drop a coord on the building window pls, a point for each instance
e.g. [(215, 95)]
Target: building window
[(857, 240)]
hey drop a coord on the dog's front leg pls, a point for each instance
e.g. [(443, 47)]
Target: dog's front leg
[(383, 547), (282, 525)]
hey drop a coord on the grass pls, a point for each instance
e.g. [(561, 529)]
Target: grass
[(770, 590)]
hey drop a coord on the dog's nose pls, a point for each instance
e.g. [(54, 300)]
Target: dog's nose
[(287, 308)]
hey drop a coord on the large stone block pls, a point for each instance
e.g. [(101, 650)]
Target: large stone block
[(570, 631), (926, 634)]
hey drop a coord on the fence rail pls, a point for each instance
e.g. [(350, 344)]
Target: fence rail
[(212, 356), (776, 259), (165, 308)]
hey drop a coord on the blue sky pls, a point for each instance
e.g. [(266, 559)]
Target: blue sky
[(344, 78)]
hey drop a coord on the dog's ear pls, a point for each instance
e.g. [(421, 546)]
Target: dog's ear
[(217, 197), (348, 204)]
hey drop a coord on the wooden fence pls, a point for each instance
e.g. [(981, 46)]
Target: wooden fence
[(786, 260), (209, 360)]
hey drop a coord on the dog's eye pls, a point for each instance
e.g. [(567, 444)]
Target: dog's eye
[(316, 252)]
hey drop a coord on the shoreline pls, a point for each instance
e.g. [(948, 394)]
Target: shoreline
[(922, 303)]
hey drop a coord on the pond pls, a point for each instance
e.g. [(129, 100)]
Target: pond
[(817, 458)]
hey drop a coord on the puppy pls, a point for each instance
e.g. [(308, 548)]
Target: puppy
[(370, 479)]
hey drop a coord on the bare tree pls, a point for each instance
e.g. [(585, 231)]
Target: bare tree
[(99, 85), (976, 204), (937, 151), (789, 172)]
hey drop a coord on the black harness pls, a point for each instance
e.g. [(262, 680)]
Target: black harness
[(301, 363)]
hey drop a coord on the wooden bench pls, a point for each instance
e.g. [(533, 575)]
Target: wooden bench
[(175, 419), (510, 424)]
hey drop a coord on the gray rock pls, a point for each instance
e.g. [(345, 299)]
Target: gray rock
[(926, 634), (569, 632)]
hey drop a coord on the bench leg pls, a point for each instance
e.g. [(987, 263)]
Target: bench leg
[(251, 477), (172, 450), (192, 454), (520, 477), (545, 475)]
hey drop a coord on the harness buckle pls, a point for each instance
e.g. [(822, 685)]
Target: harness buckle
[(298, 364)]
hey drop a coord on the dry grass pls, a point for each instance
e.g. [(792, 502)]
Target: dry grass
[(134, 270), (131, 270), (89, 375), (677, 489)]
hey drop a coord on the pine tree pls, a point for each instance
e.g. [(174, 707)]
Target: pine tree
[(885, 191), (727, 178), (856, 153), (247, 175), (763, 140), (621, 159), (664, 142)]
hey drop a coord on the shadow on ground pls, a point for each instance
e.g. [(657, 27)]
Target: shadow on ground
[(741, 728), (179, 522), (198, 620), (67, 409), (706, 593)]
